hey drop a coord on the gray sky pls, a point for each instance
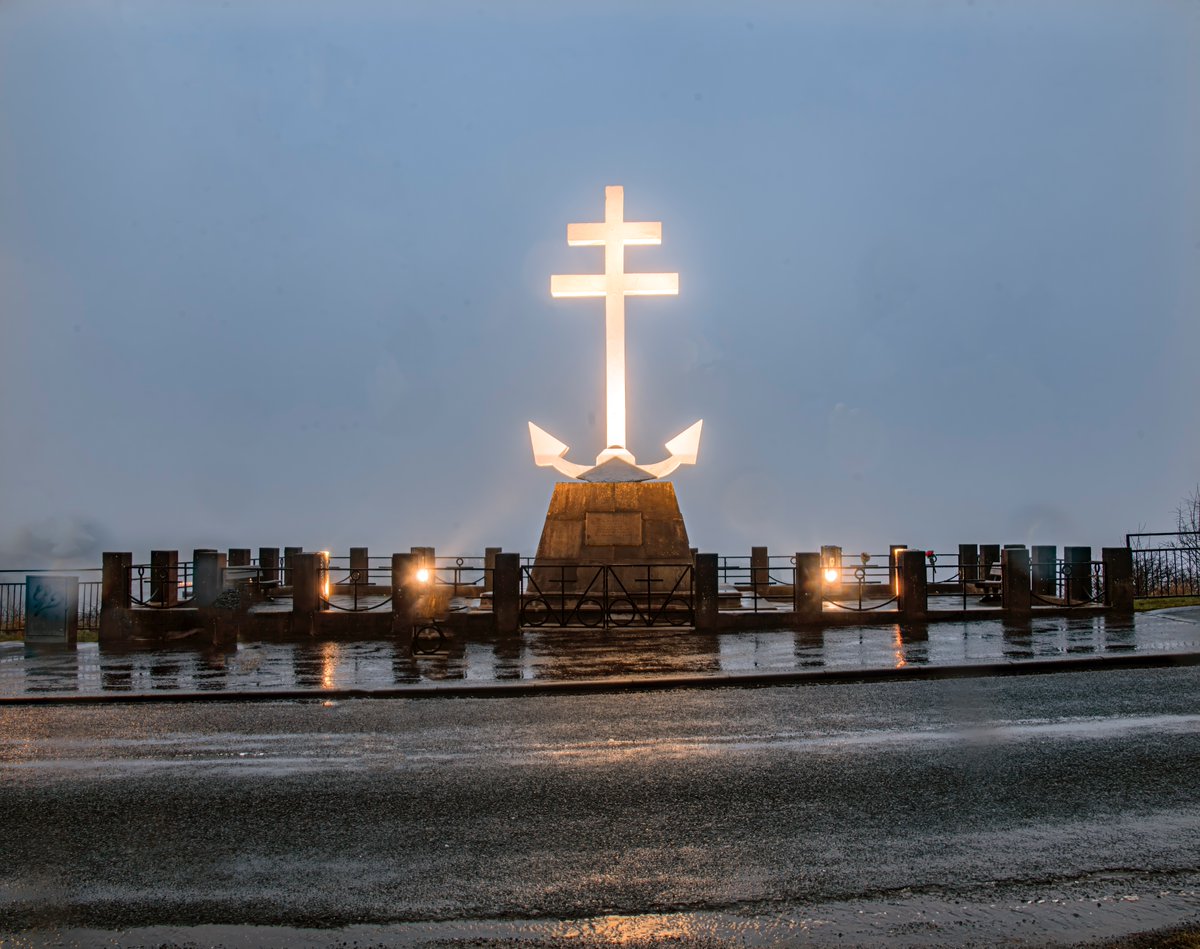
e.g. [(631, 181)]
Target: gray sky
[(277, 273)]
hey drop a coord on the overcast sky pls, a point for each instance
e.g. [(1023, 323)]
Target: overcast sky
[(278, 273)]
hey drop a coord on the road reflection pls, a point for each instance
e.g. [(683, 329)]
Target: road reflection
[(556, 655)]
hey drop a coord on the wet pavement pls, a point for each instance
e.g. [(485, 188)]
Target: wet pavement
[(1020, 811), (564, 655)]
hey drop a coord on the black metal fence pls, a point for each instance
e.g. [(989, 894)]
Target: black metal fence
[(1165, 563), (608, 595)]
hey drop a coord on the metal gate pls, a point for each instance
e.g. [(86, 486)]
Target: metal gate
[(608, 595)]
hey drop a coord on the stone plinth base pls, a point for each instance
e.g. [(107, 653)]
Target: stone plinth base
[(589, 524)]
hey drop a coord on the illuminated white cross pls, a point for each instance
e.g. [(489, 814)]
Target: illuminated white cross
[(614, 285)]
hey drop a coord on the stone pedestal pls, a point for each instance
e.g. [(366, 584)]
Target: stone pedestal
[(623, 523)]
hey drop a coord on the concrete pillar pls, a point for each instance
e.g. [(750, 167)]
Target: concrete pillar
[(707, 603), (238, 557), (404, 594), (1014, 577), (289, 564), (306, 583), (914, 588), (489, 566), (968, 562), (114, 596), (760, 570), (1043, 569), (208, 570), (989, 554), (894, 553), (506, 594), (164, 577), (1118, 578), (268, 563), (808, 586), (360, 565), (1079, 582)]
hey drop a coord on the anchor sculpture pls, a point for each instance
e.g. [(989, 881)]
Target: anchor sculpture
[(614, 233)]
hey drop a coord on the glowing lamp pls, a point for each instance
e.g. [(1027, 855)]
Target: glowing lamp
[(831, 575), (423, 575)]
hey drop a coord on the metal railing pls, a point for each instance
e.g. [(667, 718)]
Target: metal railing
[(608, 595), (362, 584), (1165, 567), (867, 582), (149, 584)]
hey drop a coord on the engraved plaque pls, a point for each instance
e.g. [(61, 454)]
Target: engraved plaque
[(622, 529), (51, 609)]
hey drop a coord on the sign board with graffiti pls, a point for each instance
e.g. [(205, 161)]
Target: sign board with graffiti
[(51, 609)]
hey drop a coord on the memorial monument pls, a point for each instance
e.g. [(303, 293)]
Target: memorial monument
[(615, 511)]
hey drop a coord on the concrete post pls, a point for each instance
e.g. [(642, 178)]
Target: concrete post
[(1014, 580), (489, 567), (164, 577), (895, 551), (808, 586), (989, 554), (238, 557), (208, 574), (1118, 578), (914, 588), (968, 562), (1043, 568), (289, 563), (268, 563), (306, 583), (360, 565), (114, 596), (760, 570), (404, 594), (1079, 582), (707, 593), (506, 594)]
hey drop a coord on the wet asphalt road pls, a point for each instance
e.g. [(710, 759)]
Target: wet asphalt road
[(755, 802)]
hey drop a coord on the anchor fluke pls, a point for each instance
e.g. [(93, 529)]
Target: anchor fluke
[(684, 449), (548, 452)]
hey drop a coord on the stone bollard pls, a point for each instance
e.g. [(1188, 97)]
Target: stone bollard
[(914, 587), (268, 564), (289, 564), (760, 570), (895, 551), (1077, 562), (1043, 569), (404, 595), (306, 591), (707, 593), (208, 576), (164, 577), (1118, 578), (238, 557), (1014, 580), (114, 597), (489, 567), (506, 594), (989, 556), (360, 565), (808, 586), (968, 562)]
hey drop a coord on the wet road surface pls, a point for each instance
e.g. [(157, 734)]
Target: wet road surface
[(1062, 807)]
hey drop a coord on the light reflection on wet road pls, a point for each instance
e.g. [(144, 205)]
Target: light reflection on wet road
[(542, 655), (923, 812)]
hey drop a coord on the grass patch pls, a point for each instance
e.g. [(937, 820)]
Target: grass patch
[(1165, 602), (85, 636)]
